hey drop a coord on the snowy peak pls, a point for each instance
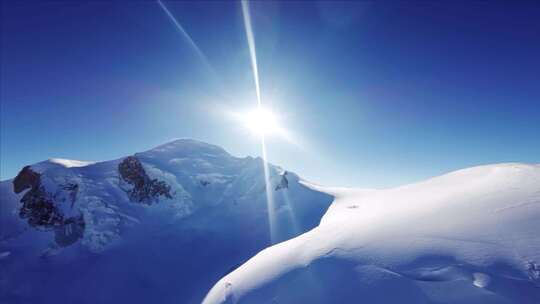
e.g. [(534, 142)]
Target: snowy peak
[(182, 180), (189, 207), (186, 147), (70, 163)]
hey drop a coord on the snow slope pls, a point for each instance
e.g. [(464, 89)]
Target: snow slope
[(470, 236), (160, 226)]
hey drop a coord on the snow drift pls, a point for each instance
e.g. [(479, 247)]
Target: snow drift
[(471, 236)]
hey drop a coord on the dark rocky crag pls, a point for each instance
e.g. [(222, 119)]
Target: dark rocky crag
[(42, 209), (145, 190), (41, 212), (283, 183)]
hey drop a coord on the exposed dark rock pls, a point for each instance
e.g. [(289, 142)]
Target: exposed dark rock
[(40, 210), (72, 190), (27, 178), (145, 190), (70, 232), (283, 183), (133, 172), (37, 207), (534, 271), (159, 188)]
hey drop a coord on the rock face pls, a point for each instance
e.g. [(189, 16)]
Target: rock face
[(70, 232), (38, 208), (534, 272), (41, 211), (145, 190), (283, 183), (27, 178)]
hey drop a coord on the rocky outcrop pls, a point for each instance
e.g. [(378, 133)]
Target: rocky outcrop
[(534, 271), (27, 178), (283, 183), (37, 207), (72, 189), (71, 231), (41, 211), (145, 190)]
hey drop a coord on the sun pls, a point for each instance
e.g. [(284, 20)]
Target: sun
[(261, 122)]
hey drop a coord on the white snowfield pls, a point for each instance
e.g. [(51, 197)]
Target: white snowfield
[(470, 236), (71, 163)]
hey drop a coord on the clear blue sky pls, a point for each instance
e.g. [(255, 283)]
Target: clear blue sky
[(377, 94)]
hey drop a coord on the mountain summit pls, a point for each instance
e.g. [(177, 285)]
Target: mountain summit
[(156, 226)]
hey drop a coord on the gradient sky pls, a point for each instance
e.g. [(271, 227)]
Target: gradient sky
[(376, 95)]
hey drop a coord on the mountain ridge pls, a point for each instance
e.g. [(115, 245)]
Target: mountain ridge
[(193, 195)]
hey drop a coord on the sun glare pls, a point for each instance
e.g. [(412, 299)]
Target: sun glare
[(261, 122)]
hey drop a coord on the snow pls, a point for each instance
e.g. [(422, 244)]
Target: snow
[(469, 236), (170, 251), (70, 163), (481, 280)]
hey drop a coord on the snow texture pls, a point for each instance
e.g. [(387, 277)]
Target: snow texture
[(470, 236)]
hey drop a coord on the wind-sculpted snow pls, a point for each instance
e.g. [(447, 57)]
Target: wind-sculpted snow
[(471, 236), (159, 226)]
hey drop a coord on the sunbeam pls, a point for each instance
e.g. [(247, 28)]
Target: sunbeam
[(253, 55), (204, 59), (291, 212), (181, 29)]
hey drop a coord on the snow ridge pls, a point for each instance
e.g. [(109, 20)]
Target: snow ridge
[(469, 236)]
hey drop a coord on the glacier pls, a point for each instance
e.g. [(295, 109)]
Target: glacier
[(158, 226)]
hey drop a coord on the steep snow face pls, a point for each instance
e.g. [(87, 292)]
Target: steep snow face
[(156, 227), (471, 236)]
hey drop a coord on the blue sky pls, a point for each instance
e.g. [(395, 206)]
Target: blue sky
[(377, 95)]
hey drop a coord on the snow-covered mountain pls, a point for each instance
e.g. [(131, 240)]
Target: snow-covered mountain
[(471, 236), (159, 226), (163, 226)]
